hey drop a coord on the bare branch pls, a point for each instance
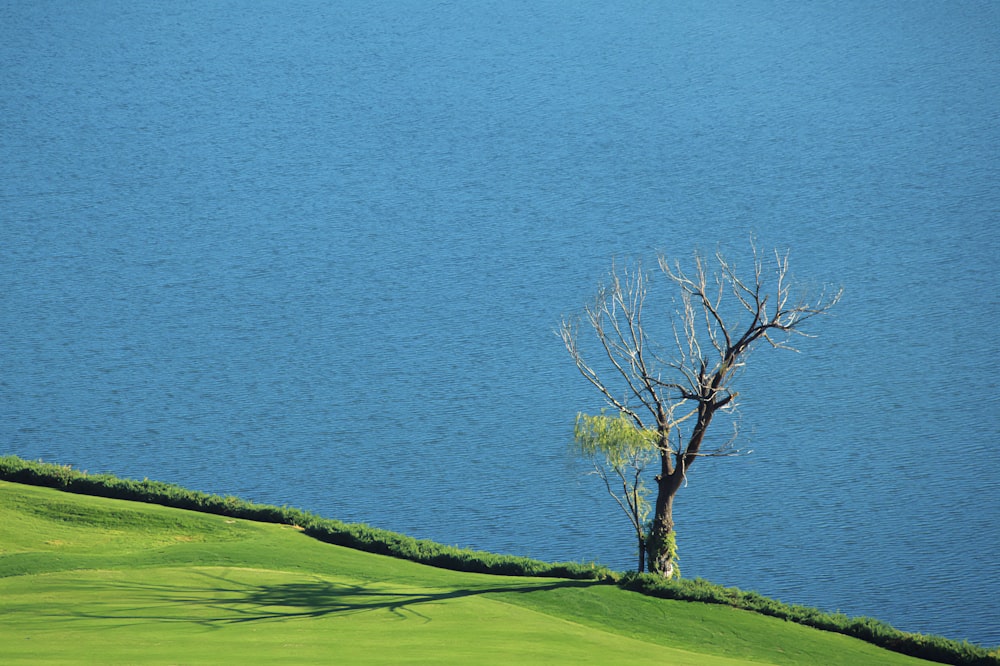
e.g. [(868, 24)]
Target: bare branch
[(602, 473)]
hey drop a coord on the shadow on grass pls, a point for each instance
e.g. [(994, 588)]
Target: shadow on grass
[(225, 601)]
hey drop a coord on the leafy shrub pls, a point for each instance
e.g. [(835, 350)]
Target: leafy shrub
[(382, 542)]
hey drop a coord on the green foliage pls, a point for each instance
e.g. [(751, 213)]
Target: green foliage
[(620, 452), (663, 554), (64, 477), (614, 438), (383, 542), (671, 547)]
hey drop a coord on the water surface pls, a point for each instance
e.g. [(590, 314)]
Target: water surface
[(314, 253)]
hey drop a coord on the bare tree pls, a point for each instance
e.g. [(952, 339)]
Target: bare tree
[(675, 391)]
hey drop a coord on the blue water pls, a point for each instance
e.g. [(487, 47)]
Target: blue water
[(315, 253)]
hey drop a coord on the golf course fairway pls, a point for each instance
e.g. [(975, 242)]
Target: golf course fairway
[(88, 580)]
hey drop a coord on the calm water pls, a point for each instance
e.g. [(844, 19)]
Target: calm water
[(314, 253)]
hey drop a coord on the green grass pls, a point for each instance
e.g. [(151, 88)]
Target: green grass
[(94, 580)]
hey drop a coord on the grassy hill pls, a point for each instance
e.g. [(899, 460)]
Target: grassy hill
[(94, 580)]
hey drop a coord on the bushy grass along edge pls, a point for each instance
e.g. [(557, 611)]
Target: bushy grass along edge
[(370, 539), (882, 634), (354, 535)]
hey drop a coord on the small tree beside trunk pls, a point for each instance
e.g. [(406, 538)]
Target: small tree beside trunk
[(620, 453)]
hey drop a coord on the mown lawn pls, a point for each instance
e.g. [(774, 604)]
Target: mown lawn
[(92, 580)]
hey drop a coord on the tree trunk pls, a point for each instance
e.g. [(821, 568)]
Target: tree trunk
[(642, 554), (661, 545)]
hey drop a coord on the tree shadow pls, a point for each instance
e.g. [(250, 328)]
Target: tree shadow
[(224, 601)]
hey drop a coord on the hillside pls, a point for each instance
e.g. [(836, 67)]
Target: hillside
[(94, 580)]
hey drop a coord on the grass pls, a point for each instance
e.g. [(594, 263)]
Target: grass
[(94, 580)]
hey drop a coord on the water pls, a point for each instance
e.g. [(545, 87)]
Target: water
[(314, 253)]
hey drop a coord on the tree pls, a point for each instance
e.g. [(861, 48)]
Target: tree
[(675, 391), (620, 454)]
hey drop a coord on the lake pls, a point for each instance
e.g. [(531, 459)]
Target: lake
[(315, 253)]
